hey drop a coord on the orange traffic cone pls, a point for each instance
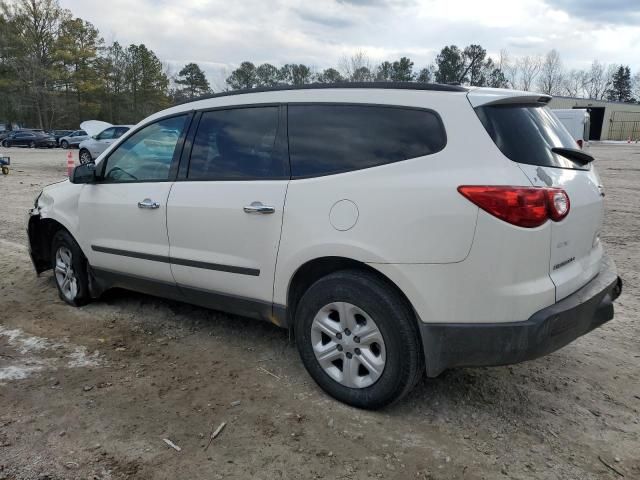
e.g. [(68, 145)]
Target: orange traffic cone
[(70, 163)]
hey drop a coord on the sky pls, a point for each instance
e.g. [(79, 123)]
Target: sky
[(220, 34)]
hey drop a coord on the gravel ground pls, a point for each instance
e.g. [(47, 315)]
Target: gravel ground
[(92, 392)]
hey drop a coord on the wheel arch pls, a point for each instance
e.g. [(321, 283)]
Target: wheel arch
[(41, 232), (312, 270)]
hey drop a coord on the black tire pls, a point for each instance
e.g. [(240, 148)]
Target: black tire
[(6, 144), (84, 156), (62, 239), (32, 144), (64, 144), (395, 320)]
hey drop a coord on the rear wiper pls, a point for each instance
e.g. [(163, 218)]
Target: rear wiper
[(574, 154)]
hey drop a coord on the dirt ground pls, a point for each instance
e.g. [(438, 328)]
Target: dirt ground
[(91, 393)]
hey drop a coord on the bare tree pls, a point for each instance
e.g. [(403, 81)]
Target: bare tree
[(528, 70), (509, 68), (356, 68), (599, 80), (635, 87), (551, 74), (575, 83)]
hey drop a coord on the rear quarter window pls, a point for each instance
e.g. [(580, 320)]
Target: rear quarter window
[(329, 139), (527, 133)]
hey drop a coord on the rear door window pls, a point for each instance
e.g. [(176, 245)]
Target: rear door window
[(527, 133), (329, 139), (237, 144), (107, 134), (120, 131)]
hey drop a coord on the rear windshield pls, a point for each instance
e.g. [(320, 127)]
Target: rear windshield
[(527, 133)]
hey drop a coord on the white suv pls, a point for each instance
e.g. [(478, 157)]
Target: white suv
[(396, 228), (92, 147)]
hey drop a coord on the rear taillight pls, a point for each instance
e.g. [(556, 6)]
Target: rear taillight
[(527, 207)]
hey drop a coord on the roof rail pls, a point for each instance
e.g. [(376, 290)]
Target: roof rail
[(318, 86)]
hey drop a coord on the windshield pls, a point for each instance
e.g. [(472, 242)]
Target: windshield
[(527, 133)]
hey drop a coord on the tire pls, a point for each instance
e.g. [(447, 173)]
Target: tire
[(85, 156), (366, 303), (64, 144), (32, 144), (69, 269), (6, 144)]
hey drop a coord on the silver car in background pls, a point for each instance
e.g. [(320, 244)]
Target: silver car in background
[(73, 139)]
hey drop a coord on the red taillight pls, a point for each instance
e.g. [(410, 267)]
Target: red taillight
[(527, 207)]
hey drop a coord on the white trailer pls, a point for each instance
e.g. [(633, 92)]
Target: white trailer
[(577, 121)]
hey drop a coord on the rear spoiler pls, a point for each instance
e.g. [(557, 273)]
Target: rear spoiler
[(498, 96)]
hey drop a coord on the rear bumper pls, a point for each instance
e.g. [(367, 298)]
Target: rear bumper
[(472, 344)]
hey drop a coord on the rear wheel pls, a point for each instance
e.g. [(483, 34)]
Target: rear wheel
[(6, 144), (69, 269), (358, 339), (85, 156), (32, 144), (64, 144)]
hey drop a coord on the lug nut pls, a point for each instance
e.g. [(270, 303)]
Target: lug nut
[(339, 348), (347, 332), (356, 339), (349, 355), (339, 336), (357, 350)]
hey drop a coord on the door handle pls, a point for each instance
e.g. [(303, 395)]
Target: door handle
[(259, 207), (148, 203)]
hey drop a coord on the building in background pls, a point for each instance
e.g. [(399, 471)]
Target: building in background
[(609, 120)]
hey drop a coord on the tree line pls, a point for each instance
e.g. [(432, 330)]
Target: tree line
[(464, 66), (56, 70)]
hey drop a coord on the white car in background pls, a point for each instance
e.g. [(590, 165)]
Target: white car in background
[(102, 134), (397, 229)]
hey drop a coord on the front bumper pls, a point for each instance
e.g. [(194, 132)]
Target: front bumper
[(483, 344)]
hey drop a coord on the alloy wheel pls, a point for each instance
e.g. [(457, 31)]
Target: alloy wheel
[(65, 276), (348, 345)]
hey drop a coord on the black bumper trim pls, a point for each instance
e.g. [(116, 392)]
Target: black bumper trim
[(488, 344)]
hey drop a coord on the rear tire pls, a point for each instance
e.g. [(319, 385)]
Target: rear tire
[(85, 156), (69, 269), (369, 372), (6, 144), (32, 144)]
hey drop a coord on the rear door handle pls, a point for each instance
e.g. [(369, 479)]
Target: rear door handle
[(148, 203), (259, 207)]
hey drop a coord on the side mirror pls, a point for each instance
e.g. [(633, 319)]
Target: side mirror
[(85, 173), (95, 137)]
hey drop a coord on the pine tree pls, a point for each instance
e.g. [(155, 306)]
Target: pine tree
[(193, 81), (620, 90)]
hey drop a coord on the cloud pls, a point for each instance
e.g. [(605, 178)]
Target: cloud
[(219, 34), (525, 42), (597, 11)]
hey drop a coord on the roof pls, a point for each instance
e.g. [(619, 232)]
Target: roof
[(318, 86)]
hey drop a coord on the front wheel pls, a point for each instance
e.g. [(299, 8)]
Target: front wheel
[(69, 269), (85, 156), (64, 144), (32, 144), (5, 144), (358, 339)]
